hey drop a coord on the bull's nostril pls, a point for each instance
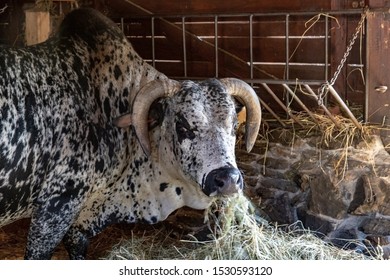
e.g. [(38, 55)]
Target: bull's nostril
[(236, 178), (226, 180), (219, 183)]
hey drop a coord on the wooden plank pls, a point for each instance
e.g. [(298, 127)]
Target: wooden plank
[(230, 27), (233, 39), (124, 7), (37, 26), (176, 69), (302, 71), (4, 25), (338, 45), (378, 57), (273, 50), (15, 28), (349, 83), (378, 3), (309, 51), (206, 69), (204, 48), (268, 48)]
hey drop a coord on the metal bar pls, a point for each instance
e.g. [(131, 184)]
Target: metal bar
[(369, 49), (326, 48), (183, 24), (153, 45), (296, 98), (251, 46), (309, 13), (266, 81), (325, 101), (122, 25), (263, 104), (216, 45), (293, 63), (287, 76), (288, 111), (344, 106), (287, 58), (288, 82), (308, 88)]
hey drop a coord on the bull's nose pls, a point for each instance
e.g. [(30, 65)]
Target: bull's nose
[(225, 181)]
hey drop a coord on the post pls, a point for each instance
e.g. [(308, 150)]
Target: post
[(37, 26), (377, 67)]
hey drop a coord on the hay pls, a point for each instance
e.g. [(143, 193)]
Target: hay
[(238, 234), (341, 135)]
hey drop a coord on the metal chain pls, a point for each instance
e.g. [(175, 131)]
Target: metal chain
[(323, 90)]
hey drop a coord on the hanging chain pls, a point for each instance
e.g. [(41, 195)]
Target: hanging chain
[(323, 90)]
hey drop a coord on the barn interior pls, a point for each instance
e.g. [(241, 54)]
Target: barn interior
[(319, 69)]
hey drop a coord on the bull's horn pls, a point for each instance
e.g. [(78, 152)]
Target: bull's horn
[(248, 97), (141, 105)]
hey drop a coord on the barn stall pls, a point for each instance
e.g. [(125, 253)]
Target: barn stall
[(321, 159)]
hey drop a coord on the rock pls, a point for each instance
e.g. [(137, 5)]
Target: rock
[(376, 240), (377, 226), (343, 193), (315, 223)]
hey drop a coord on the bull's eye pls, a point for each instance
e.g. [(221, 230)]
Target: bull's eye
[(183, 129)]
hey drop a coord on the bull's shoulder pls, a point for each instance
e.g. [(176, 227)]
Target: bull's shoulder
[(88, 25)]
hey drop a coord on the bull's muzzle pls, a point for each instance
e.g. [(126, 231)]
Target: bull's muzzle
[(223, 181)]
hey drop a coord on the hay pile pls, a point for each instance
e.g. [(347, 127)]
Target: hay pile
[(238, 235)]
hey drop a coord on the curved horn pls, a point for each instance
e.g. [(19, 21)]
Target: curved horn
[(142, 102), (250, 100)]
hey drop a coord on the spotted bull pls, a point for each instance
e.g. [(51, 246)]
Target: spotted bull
[(92, 135)]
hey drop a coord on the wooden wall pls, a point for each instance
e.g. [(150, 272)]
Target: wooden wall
[(192, 7), (305, 50), (306, 47), (11, 22)]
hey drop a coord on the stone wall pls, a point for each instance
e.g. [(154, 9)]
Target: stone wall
[(341, 193)]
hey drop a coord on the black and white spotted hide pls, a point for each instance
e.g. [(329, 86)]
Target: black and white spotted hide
[(71, 165)]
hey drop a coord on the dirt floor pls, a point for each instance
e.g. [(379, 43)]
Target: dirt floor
[(13, 241), (13, 237)]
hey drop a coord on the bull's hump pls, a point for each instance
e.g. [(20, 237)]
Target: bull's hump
[(87, 25)]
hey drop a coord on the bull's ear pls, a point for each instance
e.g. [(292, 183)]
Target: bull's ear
[(123, 121)]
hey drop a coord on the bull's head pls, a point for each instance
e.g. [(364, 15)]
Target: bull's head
[(197, 135)]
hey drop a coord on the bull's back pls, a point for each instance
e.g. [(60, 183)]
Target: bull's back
[(46, 103)]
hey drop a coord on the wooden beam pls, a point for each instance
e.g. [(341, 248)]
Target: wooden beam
[(193, 7), (378, 68), (338, 45), (237, 66), (37, 26), (374, 4)]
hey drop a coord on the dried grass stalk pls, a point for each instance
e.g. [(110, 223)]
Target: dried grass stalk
[(238, 234)]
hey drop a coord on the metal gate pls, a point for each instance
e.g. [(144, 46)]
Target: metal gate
[(292, 68)]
